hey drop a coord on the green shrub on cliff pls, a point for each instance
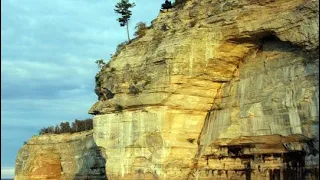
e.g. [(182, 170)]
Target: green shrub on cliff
[(100, 63), (166, 5), (179, 3)]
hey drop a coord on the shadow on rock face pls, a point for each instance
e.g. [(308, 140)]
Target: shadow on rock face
[(91, 165)]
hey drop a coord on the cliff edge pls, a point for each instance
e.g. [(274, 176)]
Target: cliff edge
[(215, 89)]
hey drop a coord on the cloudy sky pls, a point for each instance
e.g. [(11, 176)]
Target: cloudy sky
[(48, 54)]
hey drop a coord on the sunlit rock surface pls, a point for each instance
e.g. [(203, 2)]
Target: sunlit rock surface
[(63, 156), (215, 90)]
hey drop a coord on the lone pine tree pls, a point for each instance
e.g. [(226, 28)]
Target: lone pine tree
[(123, 8)]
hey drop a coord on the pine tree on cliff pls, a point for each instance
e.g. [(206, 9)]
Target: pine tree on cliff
[(123, 8), (166, 5)]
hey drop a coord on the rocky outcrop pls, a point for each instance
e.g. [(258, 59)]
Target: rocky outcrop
[(63, 156), (215, 89), (265, 119)]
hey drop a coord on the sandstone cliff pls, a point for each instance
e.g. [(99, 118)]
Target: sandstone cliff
[(63, 156), (215, 89)]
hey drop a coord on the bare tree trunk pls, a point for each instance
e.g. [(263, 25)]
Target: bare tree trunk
[(128, 32)]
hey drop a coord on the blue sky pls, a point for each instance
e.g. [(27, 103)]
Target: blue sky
[(48, 54)]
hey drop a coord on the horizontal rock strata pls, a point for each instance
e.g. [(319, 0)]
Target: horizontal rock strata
[(63, 156), (216, 89), (206, 74)]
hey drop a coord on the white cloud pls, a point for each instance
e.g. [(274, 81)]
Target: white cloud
[(7, 172)]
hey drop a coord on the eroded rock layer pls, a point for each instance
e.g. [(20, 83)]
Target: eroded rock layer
[(63, 156), (215, 89)]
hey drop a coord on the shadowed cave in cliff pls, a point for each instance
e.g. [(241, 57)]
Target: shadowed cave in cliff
[(253, 157)]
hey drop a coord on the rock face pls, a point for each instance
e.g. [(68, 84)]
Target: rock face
[(64, 156), (215, 90)]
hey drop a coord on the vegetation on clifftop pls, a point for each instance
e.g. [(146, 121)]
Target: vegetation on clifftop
[(64, 127), (123, 8)]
